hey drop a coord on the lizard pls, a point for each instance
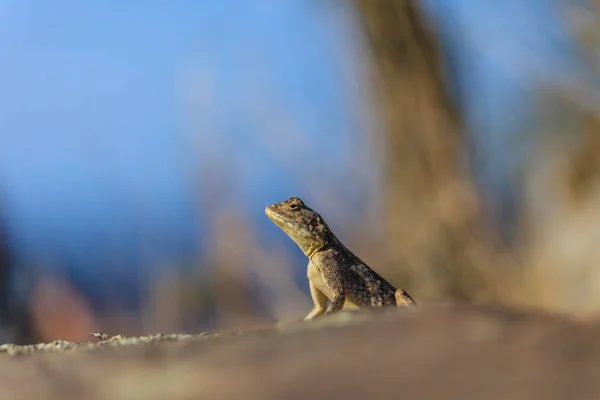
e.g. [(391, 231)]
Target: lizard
[(334, 272)]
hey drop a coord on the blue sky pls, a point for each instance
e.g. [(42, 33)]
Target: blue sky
[(102, 132)]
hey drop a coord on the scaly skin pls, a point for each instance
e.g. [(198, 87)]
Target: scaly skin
[(334, 272)]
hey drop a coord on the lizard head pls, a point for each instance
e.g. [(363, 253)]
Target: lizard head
[(302, 224)]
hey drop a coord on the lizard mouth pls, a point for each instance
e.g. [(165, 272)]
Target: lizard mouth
[(282, 222), (275, 217)]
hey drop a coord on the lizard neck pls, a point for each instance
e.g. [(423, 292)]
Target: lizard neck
[(312, 249), (330, 244)]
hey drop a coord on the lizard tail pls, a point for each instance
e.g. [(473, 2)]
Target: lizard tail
[(403, 299)]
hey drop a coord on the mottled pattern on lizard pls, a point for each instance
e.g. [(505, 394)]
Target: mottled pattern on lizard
[(334, 272)]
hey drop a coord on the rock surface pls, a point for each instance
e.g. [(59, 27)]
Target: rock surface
[(449, 352)]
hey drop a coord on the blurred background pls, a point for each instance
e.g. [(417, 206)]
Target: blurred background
[(453, 146)]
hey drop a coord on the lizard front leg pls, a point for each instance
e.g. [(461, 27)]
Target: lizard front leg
[(337, 304), (335, 280), (319, 300)]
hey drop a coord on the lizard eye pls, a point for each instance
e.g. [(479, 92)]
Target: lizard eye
[(294, 206)]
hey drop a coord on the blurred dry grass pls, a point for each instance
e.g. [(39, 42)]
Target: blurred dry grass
[(553, 264), (432, 210)]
